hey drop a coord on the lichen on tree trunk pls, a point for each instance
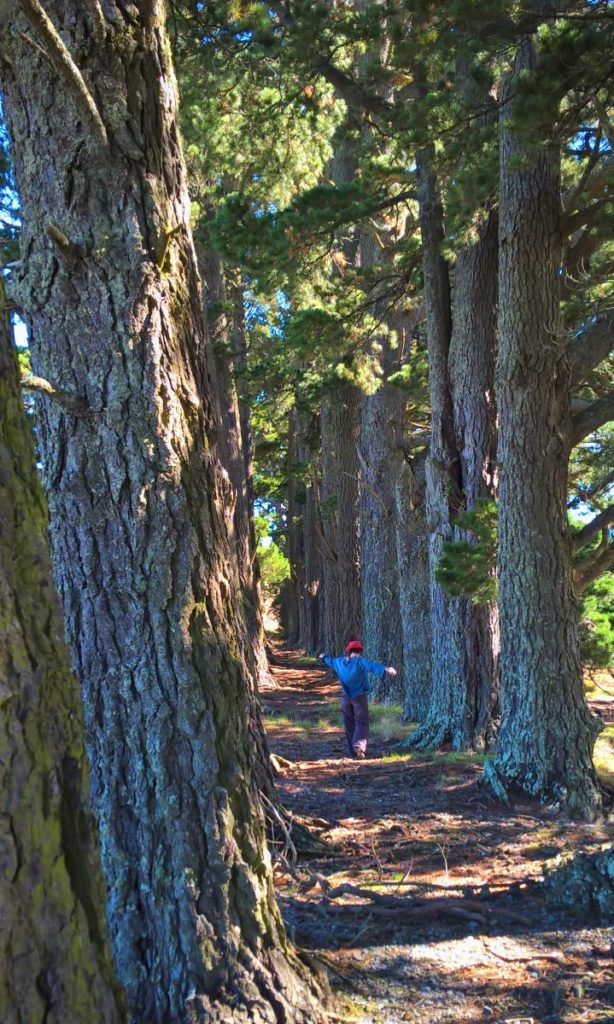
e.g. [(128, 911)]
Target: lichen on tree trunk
[(139, 524), (55, 961)]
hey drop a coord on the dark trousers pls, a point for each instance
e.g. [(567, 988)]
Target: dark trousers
[(355, 712)]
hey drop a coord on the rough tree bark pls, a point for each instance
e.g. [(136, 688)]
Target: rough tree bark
[(381, 464), (227, 337), (547, 733), (340, 546), (414, 588), (55, 961), (310, 598), (339, 427), (294, 545), (109, 284), (471, 367), (459, 468)]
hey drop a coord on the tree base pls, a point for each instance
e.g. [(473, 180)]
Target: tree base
[(583, 885), (270, 989)]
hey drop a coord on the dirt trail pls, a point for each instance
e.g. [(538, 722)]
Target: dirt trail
[(419, 827)]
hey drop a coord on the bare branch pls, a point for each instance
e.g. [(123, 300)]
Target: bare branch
[(601, 173), (590, 348), (586, 216), (591, 494), (597, 413), (74, 405), (587, 532), (604, 121), (60, 57), (594, 567)]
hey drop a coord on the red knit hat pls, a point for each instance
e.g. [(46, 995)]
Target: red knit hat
[(354, 645)]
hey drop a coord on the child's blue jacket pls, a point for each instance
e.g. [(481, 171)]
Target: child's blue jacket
[(352, 673)]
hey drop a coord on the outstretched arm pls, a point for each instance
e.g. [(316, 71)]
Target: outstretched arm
[(378, 669)]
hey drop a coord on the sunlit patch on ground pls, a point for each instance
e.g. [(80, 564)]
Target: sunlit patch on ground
[(418, 826)]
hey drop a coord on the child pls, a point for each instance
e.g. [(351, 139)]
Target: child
[(352, 673)]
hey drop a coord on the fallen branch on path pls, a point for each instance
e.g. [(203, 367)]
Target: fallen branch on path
[(418, 906), (557, 957)]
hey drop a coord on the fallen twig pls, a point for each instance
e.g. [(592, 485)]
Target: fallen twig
[(522, 959), (289, 847)]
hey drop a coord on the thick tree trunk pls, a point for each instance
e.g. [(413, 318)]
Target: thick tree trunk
[(339, 516), (55, 961), (547, 733), (446, 716), (471, 365), (339, 425), (414, 589), (227, 349), (291, 617), (310, 607), (381, 464), (138, 518), (461, 340)]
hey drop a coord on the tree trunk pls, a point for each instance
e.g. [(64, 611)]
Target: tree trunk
[(414, 589), (227, 350), (138, 517), (459, 468), (310, 607), (381, 462), (472, 381), (340, 424), (547, 733), (55, 961), (291, 617), (339, 515)]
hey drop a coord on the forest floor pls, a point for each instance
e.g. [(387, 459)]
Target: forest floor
[(419, 827)]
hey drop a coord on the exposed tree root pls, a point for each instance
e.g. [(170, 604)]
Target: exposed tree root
[(492, 778), (407, 908), (266, 989), (428, 736)]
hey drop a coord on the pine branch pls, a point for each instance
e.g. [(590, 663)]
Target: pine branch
[(348, 88), (587, 532), (586, 422), (587, 350), (60, 57), (600, 174)]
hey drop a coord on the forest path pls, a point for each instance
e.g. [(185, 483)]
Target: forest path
[(418, 826)]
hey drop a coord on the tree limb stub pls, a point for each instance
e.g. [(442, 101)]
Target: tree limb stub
[(64, 244), (60, 57), (71, 403), (586, 422)]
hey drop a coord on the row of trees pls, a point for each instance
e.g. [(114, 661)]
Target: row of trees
[(355, 219), (462, 215)]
